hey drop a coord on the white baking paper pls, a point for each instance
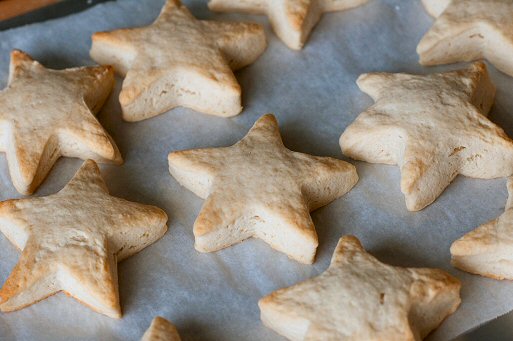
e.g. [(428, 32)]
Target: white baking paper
[(313, 93)]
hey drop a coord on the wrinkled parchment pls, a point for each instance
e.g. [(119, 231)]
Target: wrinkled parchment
[(314, 95)]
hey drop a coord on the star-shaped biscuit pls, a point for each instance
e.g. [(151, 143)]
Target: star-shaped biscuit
[(71, 241), (360, 298), (45, 114), (161, 330), (434, 127), (179, 61), (468, 30), (259, 188), (488, 250), (292, 20)]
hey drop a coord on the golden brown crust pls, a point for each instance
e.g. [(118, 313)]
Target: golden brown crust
[(360, 298), (292, 20), (259, 188), (161, 330), (433, 127), (467, 31), (179, 61), (61, 124), (72, 240)]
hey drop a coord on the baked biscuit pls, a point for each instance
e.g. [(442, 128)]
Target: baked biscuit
[(433, 127), (71, 241), (360, 298), (292, 20), (179, 61), (469, 30), (161, 330), (46, 114), (488, 250), (259, 188)]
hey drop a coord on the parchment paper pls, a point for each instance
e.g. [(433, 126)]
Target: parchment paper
[(313, 93)]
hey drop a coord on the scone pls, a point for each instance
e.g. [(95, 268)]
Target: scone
[(359, 298), (292, 20), (46, 114), (258, 188), (433, 127), (179, 61), (71, 241), (466, 30)]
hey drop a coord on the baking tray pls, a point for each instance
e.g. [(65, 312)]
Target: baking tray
[(314, 96)]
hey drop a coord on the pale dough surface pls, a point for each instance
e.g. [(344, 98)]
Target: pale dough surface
[(488, 250), (213, 296), (179, 61), (359, 298), (161, 330), (259, 188), (292, 20), (46, 114), (71, 241), (433, 127), (466, 30)]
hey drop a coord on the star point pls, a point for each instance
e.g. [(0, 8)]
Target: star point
[(179, 61), (161, 330), (433, 127), (360, 298), (71, 241), (259, 188)]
